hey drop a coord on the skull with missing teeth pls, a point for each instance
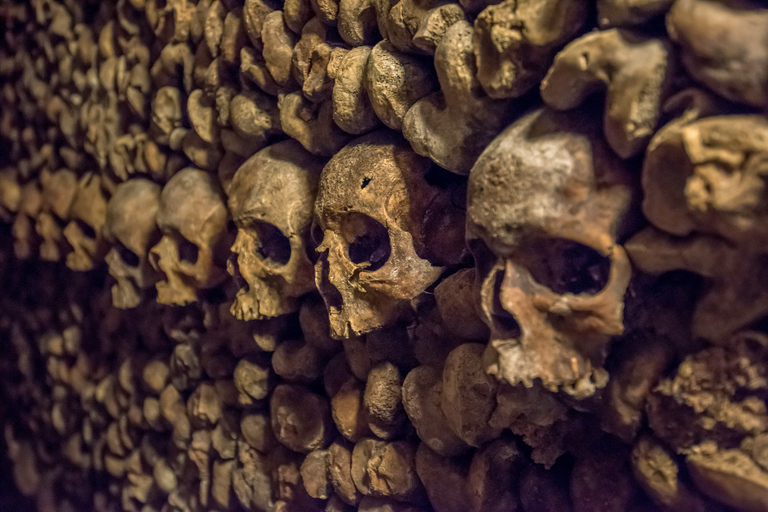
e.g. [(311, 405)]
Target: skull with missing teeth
[(372, 205), (131, 230), (271, 200), (193, 251), (546, 200), (87, 215)]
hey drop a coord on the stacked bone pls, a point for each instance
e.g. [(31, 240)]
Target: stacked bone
[(385, 255)]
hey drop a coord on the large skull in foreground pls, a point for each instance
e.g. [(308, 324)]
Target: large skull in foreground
[(372, 205), (193, 251), (546, 199), (87, 215), (271, 200), (131, 230)]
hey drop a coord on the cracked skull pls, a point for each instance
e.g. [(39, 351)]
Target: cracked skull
[(194, 247), (546, 200), (271, 201), (373, 206), (131, 229), (87, 215)]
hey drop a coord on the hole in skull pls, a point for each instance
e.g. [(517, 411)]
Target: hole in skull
[(317, 234), (187, 250), (565, 266), (368, 241), (366, 181), (128, 256), (85, 229), (503, 320), (272, 244)]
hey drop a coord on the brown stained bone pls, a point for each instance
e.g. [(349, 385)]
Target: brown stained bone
[(388, 470), (314, 474), (468, 395), (417, 27), (234, 37), (87, 217), (347, 399), (659, 475), (453, 126), (352, 108), (641, 366), (202, 116), (732, 477), (192, 252), (25, 240), (311, 124), (422, 389), (519, 293), (254, 13), (356, 22), (256, 430), (639, 81), (58, 194), (735, 297), (716, 183), (715, 41), (271, 200), (383, 402), (301, 420), (253, 379), (359, 273), (395, 81), (203, 155), (204, 406), (514, 42), (444, 478), (493, 473), (131, 230), (298, 361), (340, 471), (278, 43), (251, 479), (310, 59), (616, 13), (254, 116), (253, 67)]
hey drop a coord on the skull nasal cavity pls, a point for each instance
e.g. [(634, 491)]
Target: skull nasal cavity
[(274, 245), (565, 266), (369, 241), (85, 229), (128, 256), (187, 251)]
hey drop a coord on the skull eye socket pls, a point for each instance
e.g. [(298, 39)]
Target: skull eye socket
[(565, 266), (272, 243), (368, 241), (128, 256), (502, 319), (85, 229), (187, 250)]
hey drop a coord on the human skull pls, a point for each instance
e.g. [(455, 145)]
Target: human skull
[(87, 215), (372, 205), (58, 194), (130, 228), (193, 250), (271, 200), (546, 201)]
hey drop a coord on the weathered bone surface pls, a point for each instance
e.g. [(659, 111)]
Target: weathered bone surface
[(338, 255), (545, 194)]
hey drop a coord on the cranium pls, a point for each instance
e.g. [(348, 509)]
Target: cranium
[(193, 250), (59, 190), (271, 200), (372, 205), (546, 199), (131, 229), (87, 215)]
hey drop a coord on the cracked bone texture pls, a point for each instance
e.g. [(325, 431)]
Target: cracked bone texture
[(338, 255)]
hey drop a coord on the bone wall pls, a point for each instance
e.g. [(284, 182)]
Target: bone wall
[(386, 256)]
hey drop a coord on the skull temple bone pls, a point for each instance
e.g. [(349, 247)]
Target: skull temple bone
[(271, 200), (131, 230), (547, 199), (194, 248), (377, 206)]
